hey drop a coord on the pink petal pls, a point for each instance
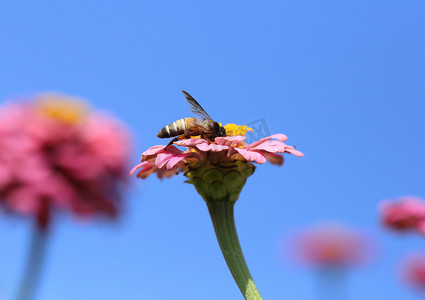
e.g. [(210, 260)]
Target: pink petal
[(142, 164), (270, 146), (279, 136), (291, 150), (148, 168), (153, 150), (162, 158), (251, 155), (211, 147), (234, 141), (174, 160), (413, 205), (190, 142)]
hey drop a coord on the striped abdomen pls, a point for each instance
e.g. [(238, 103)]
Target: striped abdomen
[(177, 128)]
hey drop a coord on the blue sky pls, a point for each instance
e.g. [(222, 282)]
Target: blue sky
[(343, 80)]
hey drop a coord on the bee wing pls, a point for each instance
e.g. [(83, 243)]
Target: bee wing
[(196, 107)]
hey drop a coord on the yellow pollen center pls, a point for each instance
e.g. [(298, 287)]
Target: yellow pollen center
[(233, 129), (62, 108)]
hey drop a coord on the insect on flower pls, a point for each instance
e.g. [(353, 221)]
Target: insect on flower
[(188, 127), (218, 162)]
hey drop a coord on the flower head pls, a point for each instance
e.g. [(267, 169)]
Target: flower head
[(229, 156), (167, 162), (331, 246), (57, 155), (404, 214)]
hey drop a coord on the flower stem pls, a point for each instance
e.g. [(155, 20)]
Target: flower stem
[(32, 273), (222, 216)]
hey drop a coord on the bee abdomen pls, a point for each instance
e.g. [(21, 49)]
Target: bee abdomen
[(174, 129)]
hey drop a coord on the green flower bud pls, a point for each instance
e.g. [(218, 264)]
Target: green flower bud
[(221, 182)]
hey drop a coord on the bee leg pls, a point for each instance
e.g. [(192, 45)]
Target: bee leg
[(172, 141)]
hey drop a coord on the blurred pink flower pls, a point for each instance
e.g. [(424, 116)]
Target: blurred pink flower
[(166, 163), (330, 246), (413, 270), (404, 214), (57, 155)]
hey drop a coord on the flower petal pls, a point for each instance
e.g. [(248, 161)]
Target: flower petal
[(191, 142), (162, 158), (270, 146), (252, 155), (137, 167), (147, 168), (279, 136), (175, 160), (234, 141), (211, 147), (292, 150), (165, 158), (153, 150)]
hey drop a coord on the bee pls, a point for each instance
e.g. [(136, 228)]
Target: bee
[(188, 127)]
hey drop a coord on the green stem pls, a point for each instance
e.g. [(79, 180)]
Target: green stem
[(222, 216), (32, 273)]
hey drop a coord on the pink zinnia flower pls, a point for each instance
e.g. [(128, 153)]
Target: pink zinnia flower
[(171, 161), (57, 155), (331, 246), (413, 270), (404, 214)]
